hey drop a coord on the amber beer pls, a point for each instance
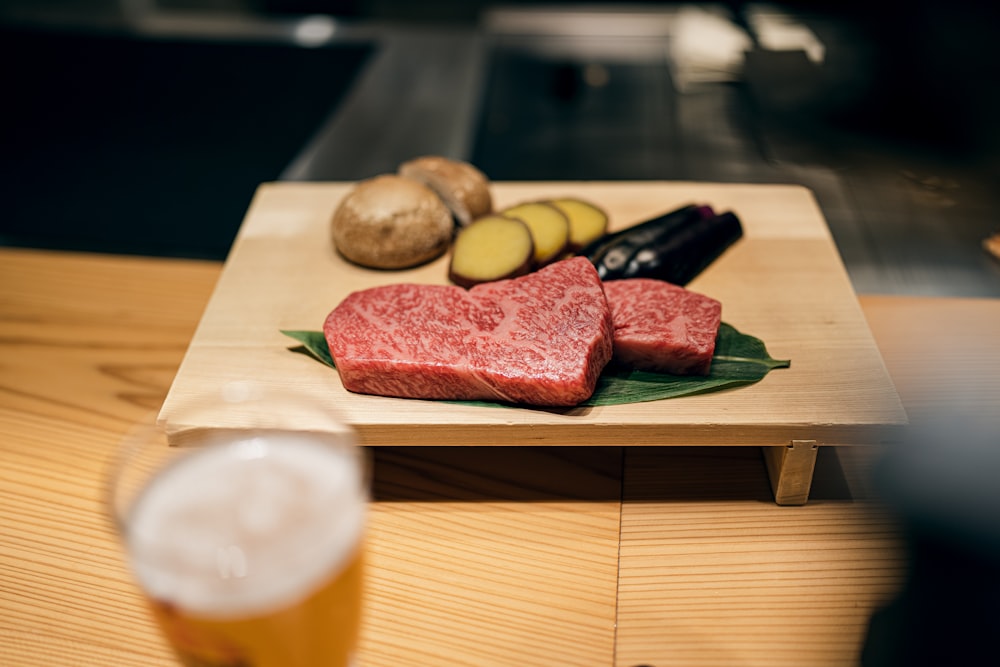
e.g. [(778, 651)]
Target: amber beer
[(250, 551)]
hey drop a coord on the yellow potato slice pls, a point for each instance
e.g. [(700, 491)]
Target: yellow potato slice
[(587, 222), (491, 248), (549, 229)]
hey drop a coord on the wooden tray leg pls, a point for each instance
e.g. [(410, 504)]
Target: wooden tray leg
[(790, 468)]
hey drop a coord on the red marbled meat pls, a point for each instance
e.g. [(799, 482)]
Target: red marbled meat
[(541, 339), (661, 327)]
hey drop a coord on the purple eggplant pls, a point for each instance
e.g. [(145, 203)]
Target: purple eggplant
[(674, 247), (679, 257), (610, 253)]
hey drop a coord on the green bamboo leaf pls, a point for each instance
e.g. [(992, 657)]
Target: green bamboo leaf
[(313, 343), (740, 359)]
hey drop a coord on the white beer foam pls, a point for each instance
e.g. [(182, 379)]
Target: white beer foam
[(248, 526)]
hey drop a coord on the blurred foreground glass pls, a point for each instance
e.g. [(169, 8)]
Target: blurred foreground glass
[(247, 540)]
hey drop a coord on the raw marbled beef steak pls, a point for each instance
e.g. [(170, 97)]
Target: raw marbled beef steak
[(541, 339), (661, 327)]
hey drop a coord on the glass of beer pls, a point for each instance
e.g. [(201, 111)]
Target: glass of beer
[(247, 538)]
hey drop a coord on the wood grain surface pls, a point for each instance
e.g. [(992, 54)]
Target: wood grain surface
[(711, 573), (479, 556), (945, 355), (88, 346), (494, 556), (783, 282)]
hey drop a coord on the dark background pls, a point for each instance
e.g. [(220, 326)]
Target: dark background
[(116, 142)]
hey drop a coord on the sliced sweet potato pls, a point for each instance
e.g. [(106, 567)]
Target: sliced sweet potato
[(587, 221), (549, 229), (491, 248)]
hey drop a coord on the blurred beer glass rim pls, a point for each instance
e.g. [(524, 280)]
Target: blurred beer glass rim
[(267, 419)]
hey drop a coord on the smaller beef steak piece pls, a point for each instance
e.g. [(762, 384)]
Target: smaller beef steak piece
[(661, 327), (541, 339)]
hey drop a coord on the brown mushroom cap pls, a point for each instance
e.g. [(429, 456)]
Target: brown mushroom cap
[(391, 222), (464, 189)]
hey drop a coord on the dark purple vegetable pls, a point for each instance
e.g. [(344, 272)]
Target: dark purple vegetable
[(612, 252), (679, 257), (675, 247)]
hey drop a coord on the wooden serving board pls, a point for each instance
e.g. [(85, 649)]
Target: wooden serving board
[(784, 282)]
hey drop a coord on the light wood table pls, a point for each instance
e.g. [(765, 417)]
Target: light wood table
[(527, 556)]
